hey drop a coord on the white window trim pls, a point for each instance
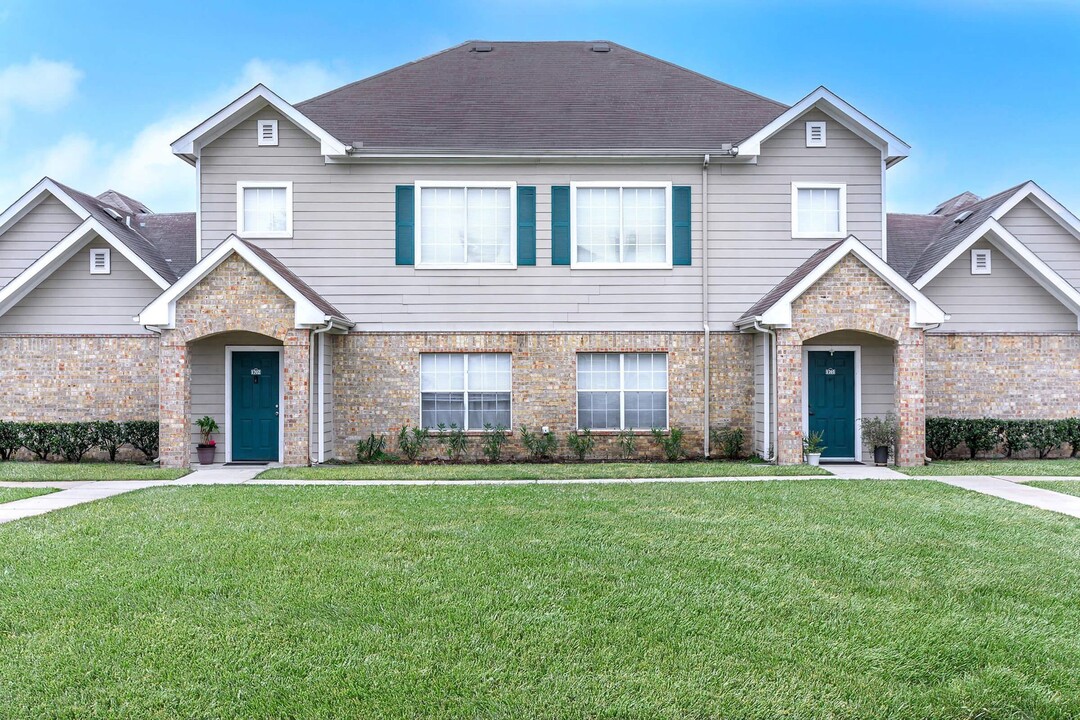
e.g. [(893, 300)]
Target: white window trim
[(420, 407), (262, 141), (465, 184), (975, 253), (574, 264), (107, 252), (811, 125), (796, 187), (622, 390), (243, 185)]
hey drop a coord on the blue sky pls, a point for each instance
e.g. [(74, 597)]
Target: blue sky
[(986, 92)]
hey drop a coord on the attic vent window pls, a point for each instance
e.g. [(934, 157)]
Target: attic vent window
[(482, 48), (962, 217), (601, 48), (267, 130), (815, 133), (980, 262), (100, 261)]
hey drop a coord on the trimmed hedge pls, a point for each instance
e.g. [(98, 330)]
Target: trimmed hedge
[(71, 441), (981, 435)]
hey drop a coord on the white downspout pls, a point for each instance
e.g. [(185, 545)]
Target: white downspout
[(770, 344), (705, 298)]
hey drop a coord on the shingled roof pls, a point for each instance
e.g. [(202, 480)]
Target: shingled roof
[(526, 96)]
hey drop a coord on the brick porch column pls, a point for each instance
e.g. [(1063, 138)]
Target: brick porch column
[(910, 373), (297, 436), (175, 401), (789, 390)]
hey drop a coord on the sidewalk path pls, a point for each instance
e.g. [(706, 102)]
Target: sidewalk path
[(1016, 492), (81, 493)]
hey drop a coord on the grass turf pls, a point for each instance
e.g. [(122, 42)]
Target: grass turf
[(11, 494), (1068, 487), (1027, 468), (808, 599), (40, 471), (538, 471)]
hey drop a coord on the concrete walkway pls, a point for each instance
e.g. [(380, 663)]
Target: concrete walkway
[(856, 471), (81, 493), (1016, 492)]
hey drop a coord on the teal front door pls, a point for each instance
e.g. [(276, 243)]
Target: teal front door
[(255, 398), (830, 401)]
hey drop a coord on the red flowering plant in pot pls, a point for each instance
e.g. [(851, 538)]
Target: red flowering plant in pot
[(207, 448)]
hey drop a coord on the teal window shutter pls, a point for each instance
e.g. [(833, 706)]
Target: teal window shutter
[(560, 225), (405, 225), (526, 225), (680, 225)]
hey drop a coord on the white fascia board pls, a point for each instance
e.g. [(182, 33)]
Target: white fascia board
[(162, 311), (32, 197), (190, 144), (840, 110), (60, 253), (923, 310), (1030, 190)]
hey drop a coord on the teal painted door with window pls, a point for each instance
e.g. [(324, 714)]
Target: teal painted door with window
[(255, 397), (830, 401)]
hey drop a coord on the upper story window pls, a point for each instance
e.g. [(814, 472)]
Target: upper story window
[(622, 390), (818, 210), (621, 225), (469, 391), (466, 225), (264, 209)]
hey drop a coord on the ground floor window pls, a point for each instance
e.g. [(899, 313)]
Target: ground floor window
[(466, 390), (622, 390)]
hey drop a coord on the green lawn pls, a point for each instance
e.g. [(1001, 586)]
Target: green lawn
[(801, 599), (39, 471), (538, 471), (1069, 487), (10, 494), (1060, 468)]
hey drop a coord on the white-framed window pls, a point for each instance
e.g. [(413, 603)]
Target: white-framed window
[(466, 224), (815, 133), (100, 261), (618, 225), (818, 210), (267, 132), (622, 390), (264, 209), (469, 390), (980, 261)]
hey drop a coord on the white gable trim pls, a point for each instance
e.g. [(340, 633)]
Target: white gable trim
[(923, 310), (893, 148), (1014, 249), (60, 253), (161, 313), (1058, 212), (33, 197), (190, 144)]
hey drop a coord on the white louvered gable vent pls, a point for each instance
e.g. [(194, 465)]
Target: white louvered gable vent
[(268, 132), (815, 133), (100, 261), (980, 262)]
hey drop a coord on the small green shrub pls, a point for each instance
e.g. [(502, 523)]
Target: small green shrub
[(10, 439), (627, 442), (142, 435), (411, 442), (581, 443), (39, 438), (370, 450), (1013, 435), (813, 443), (1044, 436), (455, 441), (980, 435), (73, 440), (540, 446), (943, 435), (108, 436), (494, 439), (1070, 433), (670, 442), (728, 441)]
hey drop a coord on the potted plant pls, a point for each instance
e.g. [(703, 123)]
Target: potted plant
[(206, 449), (813, 447), (882, 434)]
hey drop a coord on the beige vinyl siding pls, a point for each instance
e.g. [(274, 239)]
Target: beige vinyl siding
[(72, 301), (1008, 299), (208, 382), (343, 243), (759, 446), (1045, 237), (32, 235)]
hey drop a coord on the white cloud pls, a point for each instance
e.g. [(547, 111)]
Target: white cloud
[(146, 168), (39, 85)]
